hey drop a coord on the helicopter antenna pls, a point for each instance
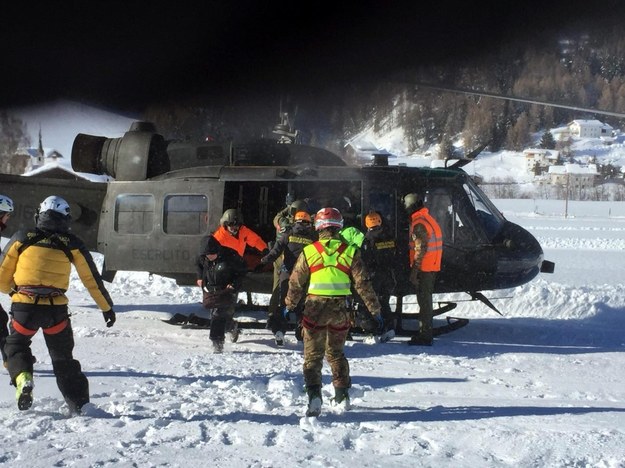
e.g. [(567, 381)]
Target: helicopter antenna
[(471, 92)]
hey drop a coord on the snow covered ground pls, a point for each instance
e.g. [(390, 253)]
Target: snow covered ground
[(542, 386)]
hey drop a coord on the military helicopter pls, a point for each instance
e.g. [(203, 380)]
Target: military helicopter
[(167, 195)]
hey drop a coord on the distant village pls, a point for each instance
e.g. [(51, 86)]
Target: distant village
[(552, 164)]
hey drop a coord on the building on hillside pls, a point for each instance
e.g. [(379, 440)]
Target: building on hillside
[(580, 128), (37, 157), (40, 157), (362, 151), (538, 160), (577, 177), (561, 133)]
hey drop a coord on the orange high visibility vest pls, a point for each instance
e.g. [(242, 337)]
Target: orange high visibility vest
[(434, 253), (245, 237)]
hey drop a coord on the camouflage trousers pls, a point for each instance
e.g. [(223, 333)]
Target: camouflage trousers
[(326, 322)]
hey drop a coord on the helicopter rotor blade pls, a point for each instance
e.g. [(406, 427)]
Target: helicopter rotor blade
[(472, 92)]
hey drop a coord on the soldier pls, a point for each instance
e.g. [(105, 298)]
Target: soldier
[(220, 273), (326, 270), (425, 254), (289, 245), (36, 268), (282, 221), (6, 208), (379, 254)]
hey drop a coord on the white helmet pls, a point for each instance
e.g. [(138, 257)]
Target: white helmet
[(54, 203), (6, 204)]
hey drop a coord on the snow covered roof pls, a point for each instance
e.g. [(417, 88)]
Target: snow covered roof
[(590, 123), (62, 168), (590, 169)]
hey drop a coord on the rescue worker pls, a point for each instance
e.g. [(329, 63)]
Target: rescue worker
[(289, 245), (6, 208), (324, 273), (233, 234), (379, 254), (285, 218), (425, 255), (35, 269), (282, 221), (220, 273)]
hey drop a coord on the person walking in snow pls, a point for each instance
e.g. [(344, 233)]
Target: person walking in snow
[(324, 273), (220, 273), (35, 269), (6, 208), (379, 252), (289, 245)]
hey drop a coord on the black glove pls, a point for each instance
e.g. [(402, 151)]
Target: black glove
[(109, 318)]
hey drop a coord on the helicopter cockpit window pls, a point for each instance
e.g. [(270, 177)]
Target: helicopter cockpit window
[(134, 214), (185, 214), (488, 215)]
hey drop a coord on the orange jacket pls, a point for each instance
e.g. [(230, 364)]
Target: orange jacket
[(245, 237), (433, 241)]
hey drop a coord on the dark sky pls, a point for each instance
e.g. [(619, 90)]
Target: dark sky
[(129, 54)]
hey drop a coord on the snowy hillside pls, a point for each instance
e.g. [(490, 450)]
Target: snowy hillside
[(61, 121), (542, 386)]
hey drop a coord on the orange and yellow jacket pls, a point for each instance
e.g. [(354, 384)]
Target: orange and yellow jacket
[(46, 264)]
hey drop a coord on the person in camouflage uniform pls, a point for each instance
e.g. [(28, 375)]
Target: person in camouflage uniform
[(289, 246), (282, 221), (327, 269)]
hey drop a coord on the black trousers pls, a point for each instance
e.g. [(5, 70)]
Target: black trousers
[(4, 332), (59, 339), (221, 321)]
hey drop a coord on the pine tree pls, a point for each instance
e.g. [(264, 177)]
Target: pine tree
[(548, 141)]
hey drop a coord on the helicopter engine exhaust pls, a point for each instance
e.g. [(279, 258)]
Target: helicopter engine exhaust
[(141, 153)]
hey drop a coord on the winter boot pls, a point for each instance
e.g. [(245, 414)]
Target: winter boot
[(218, 346), (279, 337), (314, 401), (24, 393), (234, 332), (341, 397)]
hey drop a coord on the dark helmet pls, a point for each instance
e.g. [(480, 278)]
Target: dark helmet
[(297, 205), (373, 219), (328, 217), (413, 201), (231, 217), (212, 246)]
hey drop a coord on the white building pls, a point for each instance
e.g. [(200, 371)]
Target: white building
[(541, 157), (589, 129), (574, 175)]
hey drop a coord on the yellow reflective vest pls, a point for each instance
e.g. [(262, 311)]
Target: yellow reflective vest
[(330, 264)]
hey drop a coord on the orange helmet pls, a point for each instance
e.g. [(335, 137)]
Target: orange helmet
[(301, 216), (328, 217), (373, 219)]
